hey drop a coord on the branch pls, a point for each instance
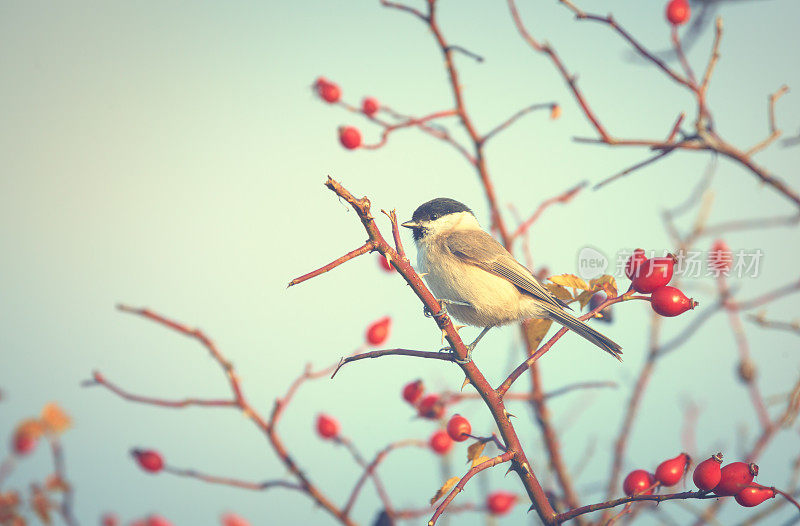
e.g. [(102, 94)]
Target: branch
[(563, 517), (236, 483), (433, 355), (500, 459), (363, 249), (241, 403), (521, 113)]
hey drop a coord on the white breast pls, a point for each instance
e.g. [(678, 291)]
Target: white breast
[(493, 300)]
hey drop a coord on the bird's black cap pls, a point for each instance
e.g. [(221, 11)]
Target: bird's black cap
[(439, 207)]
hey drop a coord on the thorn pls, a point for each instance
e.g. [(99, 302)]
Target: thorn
[(508, 413), (465, 383), (509, 470), (458, 327), (422, 274), (531, 508)]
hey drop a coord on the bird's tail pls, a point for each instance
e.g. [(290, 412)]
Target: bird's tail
[(571, 322)]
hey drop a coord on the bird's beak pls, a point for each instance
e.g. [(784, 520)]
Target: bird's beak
[(410, 224)]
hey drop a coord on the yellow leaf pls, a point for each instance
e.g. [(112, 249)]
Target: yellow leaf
[(55, 483), (445, 488), (569, 280), (54, 419), (606, 283), (559, 292), (479, 460), (535, 331), (475, 450)]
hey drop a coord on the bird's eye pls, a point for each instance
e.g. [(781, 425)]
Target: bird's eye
[(434, 216)]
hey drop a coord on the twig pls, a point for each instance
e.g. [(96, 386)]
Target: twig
[(500, 459), (227, 481)]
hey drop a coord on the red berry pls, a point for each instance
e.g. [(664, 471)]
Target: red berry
[(327, 426), (669, 472), (637, 258), (24, 442), (327, 90), (735, 477), (500, 502), (149, 460), (678, 12), (157, 520), (378, 332), (370, 106), (720, 257), (670, 301), (441, 442), (638, 482), (350, 137), (384, 263), (109, 519), (231, 519), (707, 474), (413, 391), (431, 407), (653, 273), (754, 495), (458, 428)]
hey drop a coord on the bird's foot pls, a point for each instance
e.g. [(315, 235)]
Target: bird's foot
[(455, 358), (427, 312)]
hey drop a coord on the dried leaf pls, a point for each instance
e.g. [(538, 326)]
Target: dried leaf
[(569, 280), (584, 297), (606, 283), (445, 488), (54, 419), (559, 292), (475, 449), (55, 483), (40, 504), (535, 330)]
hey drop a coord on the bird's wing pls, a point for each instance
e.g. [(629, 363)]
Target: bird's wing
[(478, 248)]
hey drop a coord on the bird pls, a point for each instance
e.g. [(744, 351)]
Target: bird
[(478, 281)]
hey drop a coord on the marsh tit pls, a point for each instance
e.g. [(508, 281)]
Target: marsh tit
[(478, 280)]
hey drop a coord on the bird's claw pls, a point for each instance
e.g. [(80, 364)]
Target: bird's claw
[(456, 359)]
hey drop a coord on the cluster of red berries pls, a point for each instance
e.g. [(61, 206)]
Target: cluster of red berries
[(678, 12), (651, 276), (433, 408), (668, 473), (430, 406), (458, 430), (732, 480), (330, 92)]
